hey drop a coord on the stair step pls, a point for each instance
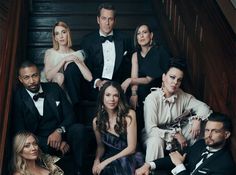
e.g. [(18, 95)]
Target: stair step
[(79, 22), (43, 8)]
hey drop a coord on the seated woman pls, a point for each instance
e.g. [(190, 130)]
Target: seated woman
[(148, 64), (115, 131), (163, 105), (57, 58), (28, 158)]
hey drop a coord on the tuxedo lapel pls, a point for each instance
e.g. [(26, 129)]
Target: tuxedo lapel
[(29, 103), (119, 51), (208, 160), (97, 50), (51, 102)]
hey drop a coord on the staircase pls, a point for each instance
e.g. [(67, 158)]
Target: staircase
[(81, 18)]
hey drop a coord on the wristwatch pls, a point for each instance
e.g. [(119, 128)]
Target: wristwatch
[(61, 130)]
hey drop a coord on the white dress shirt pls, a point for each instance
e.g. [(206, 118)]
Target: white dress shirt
[(39, 103)]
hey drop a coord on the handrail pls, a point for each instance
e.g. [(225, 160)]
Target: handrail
[(12, 52)]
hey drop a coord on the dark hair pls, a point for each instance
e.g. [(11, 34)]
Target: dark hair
[(122, 110), (177, 62), (219, 117), (106, 6), (136, 45), (25, 64)]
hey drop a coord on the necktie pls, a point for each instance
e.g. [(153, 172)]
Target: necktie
[(104, 38), (39, 95), (205, 154)]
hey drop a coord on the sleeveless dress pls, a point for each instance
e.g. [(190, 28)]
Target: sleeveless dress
[(56, 57), (154, 64), (124, 165)]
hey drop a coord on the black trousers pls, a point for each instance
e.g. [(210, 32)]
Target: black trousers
[(73, 82), (75, 137)]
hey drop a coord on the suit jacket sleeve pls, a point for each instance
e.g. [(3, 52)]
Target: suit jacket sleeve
[(18, 114), (87, 45)]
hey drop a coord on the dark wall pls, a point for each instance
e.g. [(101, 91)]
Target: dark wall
[(80, 15), (198, 30)]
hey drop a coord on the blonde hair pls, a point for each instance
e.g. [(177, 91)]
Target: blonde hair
[(55, 43), (18, 162)]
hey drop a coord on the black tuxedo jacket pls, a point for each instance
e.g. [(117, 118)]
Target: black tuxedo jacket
[(92, 46), (26, 116), (220, 163)]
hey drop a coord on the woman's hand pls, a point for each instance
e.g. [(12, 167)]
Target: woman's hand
[(99, 167), (133, 101), (180, 138), (126, 84), (69, 58), (95, 164), (196, 128)]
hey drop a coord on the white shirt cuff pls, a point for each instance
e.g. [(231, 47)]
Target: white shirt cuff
[(178, 169), (152, 165), (94, 85)]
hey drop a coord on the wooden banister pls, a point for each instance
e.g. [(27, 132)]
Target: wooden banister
[(199, 31), (12, 50)]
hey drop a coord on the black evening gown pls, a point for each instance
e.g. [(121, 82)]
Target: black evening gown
[(124, 165)]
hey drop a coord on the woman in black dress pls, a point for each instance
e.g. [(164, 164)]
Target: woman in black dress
[(149, 62), (116, 133)]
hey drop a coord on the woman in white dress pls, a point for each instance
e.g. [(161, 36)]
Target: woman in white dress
[(57, 58)]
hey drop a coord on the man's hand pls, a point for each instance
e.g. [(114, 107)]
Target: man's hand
[(54, 140), (64, 148), (143, 170), (177, 158)]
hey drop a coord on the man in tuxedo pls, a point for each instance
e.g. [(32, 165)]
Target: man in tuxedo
[(107, 51), (210, 155), (43, 109)]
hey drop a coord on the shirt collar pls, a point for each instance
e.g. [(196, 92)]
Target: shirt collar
[(101, 34), (170, 99), (32, 94), (213, 150)]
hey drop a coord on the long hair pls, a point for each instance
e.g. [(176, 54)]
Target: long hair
[(122, 110), (136, 44), (18, 162), (55, 43)]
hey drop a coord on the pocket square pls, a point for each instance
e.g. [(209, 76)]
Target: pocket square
[(125, 53), (57, 103)]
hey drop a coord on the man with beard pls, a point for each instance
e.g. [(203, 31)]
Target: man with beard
[(43, 109), (210, 155)]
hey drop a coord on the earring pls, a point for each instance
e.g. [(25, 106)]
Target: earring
[(150, 44)]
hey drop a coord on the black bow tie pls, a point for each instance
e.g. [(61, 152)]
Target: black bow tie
[(104, 38), (205, 154), (39, 95)]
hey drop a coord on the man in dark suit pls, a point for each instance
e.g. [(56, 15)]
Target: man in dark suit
[(209, 156), (43, 109), (107, 54)]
